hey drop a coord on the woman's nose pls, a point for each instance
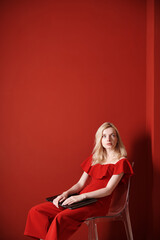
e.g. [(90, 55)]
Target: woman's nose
[(108, 138)]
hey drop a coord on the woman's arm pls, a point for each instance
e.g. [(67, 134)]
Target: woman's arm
[(103, 192), (74, 189), (79, 185)]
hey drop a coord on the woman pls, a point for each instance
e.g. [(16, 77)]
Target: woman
[(105, 168)]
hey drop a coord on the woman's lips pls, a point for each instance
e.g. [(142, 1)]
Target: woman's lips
[(109, 144)]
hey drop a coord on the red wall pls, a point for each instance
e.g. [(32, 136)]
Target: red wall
[(67, 67), (153, 114), (156, 153), (157, 117)]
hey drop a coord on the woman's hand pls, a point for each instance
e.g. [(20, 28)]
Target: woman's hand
[(60, 198), (74, 199)]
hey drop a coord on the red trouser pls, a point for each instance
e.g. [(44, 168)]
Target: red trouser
[(46, 221)]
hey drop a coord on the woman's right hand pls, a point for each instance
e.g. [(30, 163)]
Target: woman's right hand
[(60, 198)]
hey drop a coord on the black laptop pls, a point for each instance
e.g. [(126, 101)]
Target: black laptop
[(73, 205)]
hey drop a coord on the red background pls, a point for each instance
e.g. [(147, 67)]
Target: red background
[(67, 67)]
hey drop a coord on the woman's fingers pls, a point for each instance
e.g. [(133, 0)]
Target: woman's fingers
[(55, 202), (63, 196), (70, 200), (62, 199), (58, 199)]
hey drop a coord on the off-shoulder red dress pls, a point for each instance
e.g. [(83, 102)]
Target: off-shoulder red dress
[(46, 221)]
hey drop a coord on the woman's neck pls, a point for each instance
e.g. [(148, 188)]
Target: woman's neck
[(111, 156)]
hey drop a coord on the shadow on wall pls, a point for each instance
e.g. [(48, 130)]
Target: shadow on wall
[(155, 205), (142, 187), (141, 192)]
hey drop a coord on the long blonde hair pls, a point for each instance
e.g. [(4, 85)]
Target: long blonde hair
[(99, 153)]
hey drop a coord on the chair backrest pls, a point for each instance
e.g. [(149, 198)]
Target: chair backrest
[(120, 197)]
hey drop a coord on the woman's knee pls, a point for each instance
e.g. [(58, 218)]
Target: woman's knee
[(36, 208), (65, 216), (60, 217)]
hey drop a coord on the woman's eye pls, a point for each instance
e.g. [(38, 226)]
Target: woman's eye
[(104, 136)]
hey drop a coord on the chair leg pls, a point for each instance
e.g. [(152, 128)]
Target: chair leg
[(92, 230), (127, 223), (96, 231)]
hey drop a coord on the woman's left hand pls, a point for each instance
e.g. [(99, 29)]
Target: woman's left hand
[(74, 199)]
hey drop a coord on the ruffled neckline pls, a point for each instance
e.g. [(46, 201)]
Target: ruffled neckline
[(100, 171), (109, 163)]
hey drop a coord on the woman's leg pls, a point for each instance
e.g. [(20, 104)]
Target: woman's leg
[(62, 227), (47, 222), (68, 221), (39, 219)]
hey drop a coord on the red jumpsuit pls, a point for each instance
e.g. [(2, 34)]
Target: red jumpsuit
[(46, 221)]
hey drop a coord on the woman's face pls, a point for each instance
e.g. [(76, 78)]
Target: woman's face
[(109, 138)]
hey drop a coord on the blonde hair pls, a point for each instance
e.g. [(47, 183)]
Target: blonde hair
[(99, 153)]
